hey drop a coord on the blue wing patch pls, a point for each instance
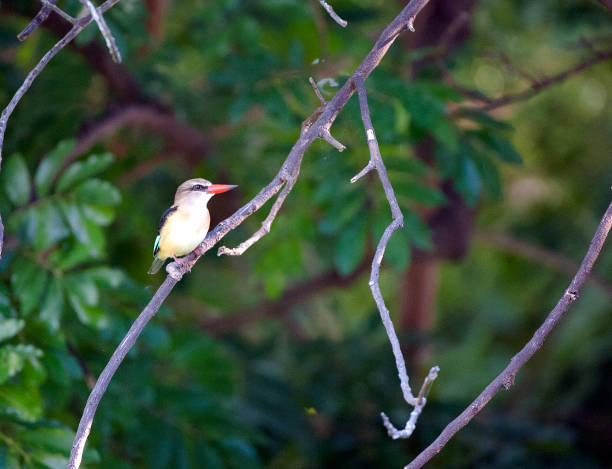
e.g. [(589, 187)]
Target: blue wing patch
[(156, 245)]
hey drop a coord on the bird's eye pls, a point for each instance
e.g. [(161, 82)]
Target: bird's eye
[(197, 187)]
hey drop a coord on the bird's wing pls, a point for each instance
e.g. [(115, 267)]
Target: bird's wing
[(162, 222), (165, 216)]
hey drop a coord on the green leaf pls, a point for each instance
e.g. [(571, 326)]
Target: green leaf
[(84, 296), (52, 305), (101, 215), (106, 276), (419, 232), (16, 180), (484, 119), (28, 281), (50, 166), (55, 440), (500, 146), (67, 259), (488, 173), (10, 327), (342, 210), (51, 227), (82, 170), (13, 359), (468, 182), (21, 402), (446, 134), (420, 192), (350, 246), (75, 220), (402, 118), (97, 192), (6, 308), (48, 461)]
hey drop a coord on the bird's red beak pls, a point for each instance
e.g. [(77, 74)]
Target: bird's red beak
[(219, 188)]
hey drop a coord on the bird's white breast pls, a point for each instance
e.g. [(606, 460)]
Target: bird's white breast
[(184, 230)]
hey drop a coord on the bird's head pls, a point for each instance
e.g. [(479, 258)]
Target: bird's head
[(199, 190)]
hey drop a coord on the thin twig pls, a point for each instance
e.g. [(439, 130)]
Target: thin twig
[(332, 13), (376, 162), (506, 378), (291, 166), (317, 91), (495, 103), (266, 224), (111, 44), (1, 237)]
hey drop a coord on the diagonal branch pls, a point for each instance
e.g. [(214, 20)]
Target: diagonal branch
[(539, 85), (376, 162), (506, 378), (176, 270)]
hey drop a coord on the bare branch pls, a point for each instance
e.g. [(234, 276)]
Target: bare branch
[(538, 254), (506, 378), (332, 13), (488, 104), (76, 454), (291, 166), (104, 30), (376, 162)]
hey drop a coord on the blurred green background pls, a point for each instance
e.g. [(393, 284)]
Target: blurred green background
[(278, 359)]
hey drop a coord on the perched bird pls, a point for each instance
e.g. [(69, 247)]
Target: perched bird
[(184, 225)]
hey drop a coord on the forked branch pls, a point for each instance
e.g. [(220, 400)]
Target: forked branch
[(376, 162)]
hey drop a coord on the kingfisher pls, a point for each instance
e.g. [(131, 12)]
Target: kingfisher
[(184, 225)]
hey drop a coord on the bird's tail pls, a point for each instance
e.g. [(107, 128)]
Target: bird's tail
[(157, 264)]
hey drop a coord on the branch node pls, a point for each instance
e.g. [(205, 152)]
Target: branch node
[(572, 295), (411, 24), (104, 30), (369, 167), (325, 135)]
